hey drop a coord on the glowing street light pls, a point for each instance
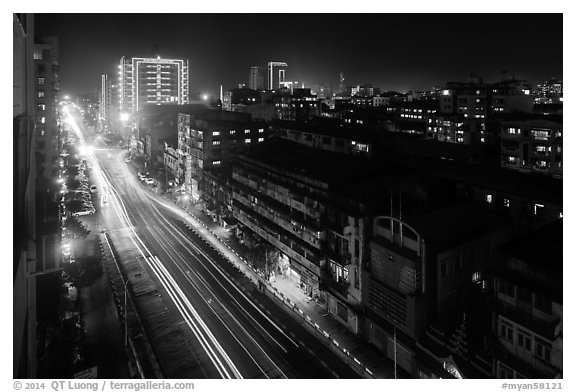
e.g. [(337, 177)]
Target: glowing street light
[(205, 97)]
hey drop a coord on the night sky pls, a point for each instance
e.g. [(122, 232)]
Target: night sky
[(391, 51)]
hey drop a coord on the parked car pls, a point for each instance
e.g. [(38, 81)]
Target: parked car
[(85, 211), (150, 181)]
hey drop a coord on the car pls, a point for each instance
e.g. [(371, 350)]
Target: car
[(85, 211), (93, 189), (150, 181), (127, 160)]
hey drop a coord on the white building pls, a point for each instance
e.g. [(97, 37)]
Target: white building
[(152, 81)]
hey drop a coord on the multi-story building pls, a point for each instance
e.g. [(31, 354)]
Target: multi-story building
[(364, 90), (47, 137), (233, 100), (155, 81), (320, 135), (412, 116), (257, 78), (155, 123), (90, 107), (109, 103), (208, 139), (276, 74), (532, 144), (476, 100), (453, 128), (421, 272), (24, 198), (549, 92), (283, 197), (47, 91), (170, 159), (526, 303)]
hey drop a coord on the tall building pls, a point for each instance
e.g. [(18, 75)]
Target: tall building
[(155, 81), (47, 90), (276, 74), (341, 87), (109, 102), (257, 77), (24, 201)]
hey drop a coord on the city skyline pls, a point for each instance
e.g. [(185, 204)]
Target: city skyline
[(432, 49)]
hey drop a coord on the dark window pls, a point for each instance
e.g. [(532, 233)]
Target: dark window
[(506, 287), (542, 303), (342, 311), (543, 349), (442, 269)]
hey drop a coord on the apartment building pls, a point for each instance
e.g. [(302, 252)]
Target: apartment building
[(155, 81), (526, 303), (208, 139), (533, 144)]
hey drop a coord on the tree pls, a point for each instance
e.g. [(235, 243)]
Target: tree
[(75, 227), (84, 271), (74, 205)]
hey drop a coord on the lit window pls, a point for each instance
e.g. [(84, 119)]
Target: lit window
[(216, 143), (42, 120), (247, 140), (260, 139), (489, 198), (506, 202), (538, 209), (215, 163), (216, 133), (246, 131), (41, 81), (232, 132), (40, 94), (261, 130)]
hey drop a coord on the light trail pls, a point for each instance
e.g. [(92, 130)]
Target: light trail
[(217, 355)]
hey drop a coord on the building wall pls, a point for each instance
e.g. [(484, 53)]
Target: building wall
[(532, 146), (24, 189), (152, 81)]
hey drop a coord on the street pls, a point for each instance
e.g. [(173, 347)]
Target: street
[(211, 327)]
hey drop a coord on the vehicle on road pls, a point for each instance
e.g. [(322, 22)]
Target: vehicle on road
[(85, 211), (149, 181), (127, 160)]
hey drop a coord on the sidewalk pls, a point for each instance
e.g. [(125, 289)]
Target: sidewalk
[(103, 339), (365, 359)]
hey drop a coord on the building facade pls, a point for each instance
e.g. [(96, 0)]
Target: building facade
[(257, 78), (276, 74), (533, 145), (109, 103), (24, 197), (209, 139), (155, 81), (526, 303)]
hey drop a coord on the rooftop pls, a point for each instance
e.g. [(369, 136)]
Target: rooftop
[(542, 248), (456, 224)]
